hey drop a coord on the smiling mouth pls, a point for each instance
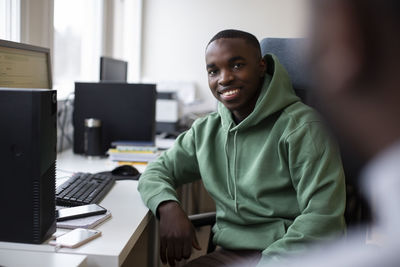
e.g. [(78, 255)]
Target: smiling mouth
[(231, 92)]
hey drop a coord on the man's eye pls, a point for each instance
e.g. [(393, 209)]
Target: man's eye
[(212, 72), (238, 65)]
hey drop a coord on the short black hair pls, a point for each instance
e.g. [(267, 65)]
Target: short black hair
[(232, 33)]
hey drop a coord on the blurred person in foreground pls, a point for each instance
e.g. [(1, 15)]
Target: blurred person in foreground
[(355, 55)]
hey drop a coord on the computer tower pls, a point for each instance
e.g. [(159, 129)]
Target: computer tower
[(27, 158)]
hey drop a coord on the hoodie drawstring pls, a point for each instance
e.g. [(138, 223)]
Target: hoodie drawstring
[(234, 196), (234, 171), (227, 166)]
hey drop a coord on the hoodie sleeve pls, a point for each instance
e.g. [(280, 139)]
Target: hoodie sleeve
[(174, 167), (318, 178)]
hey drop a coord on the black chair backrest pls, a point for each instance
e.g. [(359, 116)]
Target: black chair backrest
[(290, 52)]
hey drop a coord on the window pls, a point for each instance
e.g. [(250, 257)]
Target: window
[(10, 20), (77, 43)]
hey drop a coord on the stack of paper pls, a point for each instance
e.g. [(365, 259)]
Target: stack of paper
[(133, 152)]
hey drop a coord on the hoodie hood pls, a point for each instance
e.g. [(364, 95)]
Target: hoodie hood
[(276, 94)]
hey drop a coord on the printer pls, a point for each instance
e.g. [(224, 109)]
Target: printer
[(167, 112)]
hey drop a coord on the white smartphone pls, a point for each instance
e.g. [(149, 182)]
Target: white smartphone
[(75, 238), (79, 212)]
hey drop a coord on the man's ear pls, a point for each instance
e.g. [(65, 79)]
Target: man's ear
[(341, 51), (263, 67)]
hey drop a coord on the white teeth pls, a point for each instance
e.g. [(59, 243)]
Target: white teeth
[(230, 92)]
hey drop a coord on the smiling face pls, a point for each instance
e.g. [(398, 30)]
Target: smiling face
[(235, 74)]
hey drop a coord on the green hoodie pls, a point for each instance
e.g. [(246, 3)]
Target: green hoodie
[(276, 178)]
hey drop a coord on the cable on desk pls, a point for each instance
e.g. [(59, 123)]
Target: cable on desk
[(63, 112), (67, 174), (57, 248)]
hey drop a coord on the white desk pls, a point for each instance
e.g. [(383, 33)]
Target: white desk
[(119, 234), (20, 258)]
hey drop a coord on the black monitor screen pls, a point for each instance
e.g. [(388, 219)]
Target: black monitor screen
[(126, 111), (113, 70)]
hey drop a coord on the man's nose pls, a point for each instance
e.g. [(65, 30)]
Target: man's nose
[(225, 77)]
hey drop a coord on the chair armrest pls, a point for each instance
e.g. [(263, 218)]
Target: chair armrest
[(203, 219)]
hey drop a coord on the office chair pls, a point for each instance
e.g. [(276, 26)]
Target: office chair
[(290, 52), (291, 55)]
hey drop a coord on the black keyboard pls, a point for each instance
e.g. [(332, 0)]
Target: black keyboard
[(83, 188)]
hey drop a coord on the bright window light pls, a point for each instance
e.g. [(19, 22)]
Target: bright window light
[(77, 43), (10, 11)]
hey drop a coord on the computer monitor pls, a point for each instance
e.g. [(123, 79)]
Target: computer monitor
[(24, 66), (113, 70), (126, 111)]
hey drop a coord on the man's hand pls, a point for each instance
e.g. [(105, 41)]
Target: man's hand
[(177, 235)]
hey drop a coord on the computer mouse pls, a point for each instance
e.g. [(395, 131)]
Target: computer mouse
[(125, 170)]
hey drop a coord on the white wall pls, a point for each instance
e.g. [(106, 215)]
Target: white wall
[(37, 23), (175, 33)]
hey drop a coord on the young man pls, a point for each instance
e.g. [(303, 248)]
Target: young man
[(276, 179), (356, 58)]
